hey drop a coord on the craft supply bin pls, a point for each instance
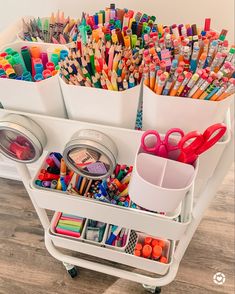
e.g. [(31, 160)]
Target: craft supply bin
[(181, 229), (101, 106), (164, 112), (44, 97)]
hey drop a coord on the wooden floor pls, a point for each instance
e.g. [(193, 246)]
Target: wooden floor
[(27, 268)]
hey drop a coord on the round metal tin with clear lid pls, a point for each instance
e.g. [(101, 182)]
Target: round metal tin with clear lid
[(21, 139), (91, 154)]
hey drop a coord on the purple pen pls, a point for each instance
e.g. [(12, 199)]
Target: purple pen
[(189, 31), (46, 184), (180, 28), (44, 59), (55, 159)]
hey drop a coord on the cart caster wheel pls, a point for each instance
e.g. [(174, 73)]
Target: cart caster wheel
[(74, 272), (71, 270), (152, 289)]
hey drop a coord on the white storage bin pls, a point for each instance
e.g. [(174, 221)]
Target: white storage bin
[(160, 184), (162, 113), (101, 243), (101, 106), (53, 225), (123, 248), (210, 159), (44, 97), (165, 252)]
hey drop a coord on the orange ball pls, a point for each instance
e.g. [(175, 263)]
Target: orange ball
[(163, 259), (148, 240), (161, 243), (146, 252), (157, 252), (138, 246), (154, 242), (137, 253)]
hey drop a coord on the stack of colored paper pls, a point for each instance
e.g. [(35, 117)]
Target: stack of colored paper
[(70, 225)]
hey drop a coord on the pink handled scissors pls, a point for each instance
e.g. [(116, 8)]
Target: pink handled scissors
[(201, 143), (162, 146)]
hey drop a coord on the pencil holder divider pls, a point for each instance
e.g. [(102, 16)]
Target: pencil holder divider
[(44, 97), (164, 112), (160, 184), (101, 106)]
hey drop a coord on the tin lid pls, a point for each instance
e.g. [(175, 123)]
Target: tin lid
[(91, 154), (21, 139)]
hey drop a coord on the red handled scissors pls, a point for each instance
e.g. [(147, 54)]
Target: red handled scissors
[(201, 143), (161, 147)]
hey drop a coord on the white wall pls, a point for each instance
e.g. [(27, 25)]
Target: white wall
[(167, 11)]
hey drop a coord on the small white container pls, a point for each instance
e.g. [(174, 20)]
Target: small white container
[(101, 106), (44, 97), (167, 247), (53, 225), (116, 247), (101, 243), (162, 113), (160, 184)]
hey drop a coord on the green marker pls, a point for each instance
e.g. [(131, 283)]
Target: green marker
[(82, 30), (19, 60), (9, 51), (26, 76), (133, 40), (10, 59), (46, 28), (55, 58), (27, 58), (118, 24)]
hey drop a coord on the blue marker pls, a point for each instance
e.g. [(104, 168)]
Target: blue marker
[(64, 186), (131, 81), (38, 77), (115, 231), (193, 61)]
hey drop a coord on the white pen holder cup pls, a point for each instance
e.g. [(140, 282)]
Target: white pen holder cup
[(101, 106), (160, 184), (44, 97), (164, 112)]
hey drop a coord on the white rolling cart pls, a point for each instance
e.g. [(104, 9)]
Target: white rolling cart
[(179, 232)]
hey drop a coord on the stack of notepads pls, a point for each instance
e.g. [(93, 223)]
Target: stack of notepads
[(70, 225)]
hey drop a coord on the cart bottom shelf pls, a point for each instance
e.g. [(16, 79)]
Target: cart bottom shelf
[(125, 257)]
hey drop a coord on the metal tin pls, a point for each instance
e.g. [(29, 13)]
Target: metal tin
[(21, 139), (91, 153)]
